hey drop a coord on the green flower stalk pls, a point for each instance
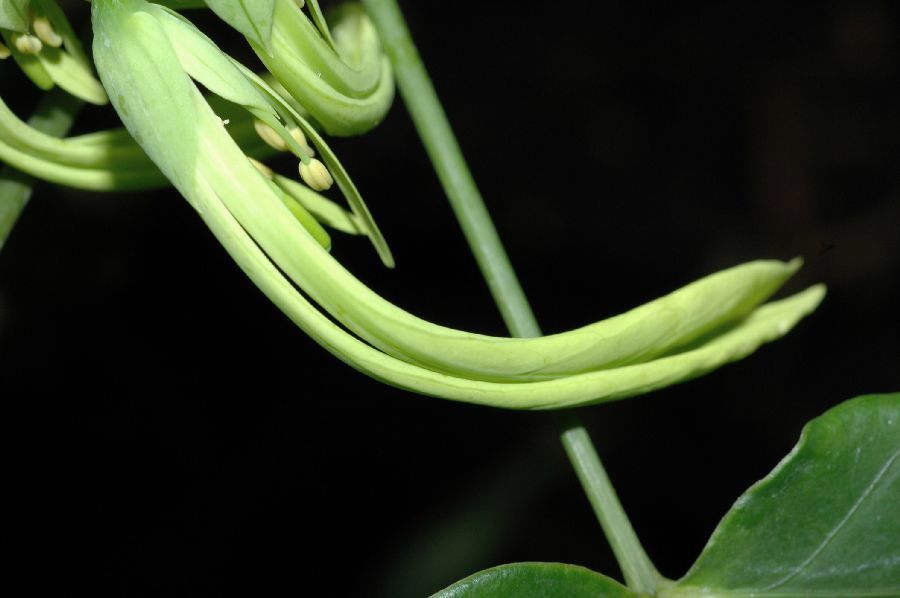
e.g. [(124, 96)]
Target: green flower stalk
[(143, 53), (38, 36)]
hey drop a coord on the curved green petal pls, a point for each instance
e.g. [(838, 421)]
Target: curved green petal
[(102, 161), (186, 139), (29, 63), (348, 90), (65, 65), (252, 18), (14, 15), (638, 335)]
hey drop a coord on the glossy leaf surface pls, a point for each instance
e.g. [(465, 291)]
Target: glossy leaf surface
[(536, 580), (825, 522)]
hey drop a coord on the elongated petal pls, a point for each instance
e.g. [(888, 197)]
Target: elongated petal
[(186, 139), (766, 324), (29, 63), (326, 211), (635, 336), (203, 61), (102, 161)]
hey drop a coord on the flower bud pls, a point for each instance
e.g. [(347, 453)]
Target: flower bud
[(316, 175), (45, 31), (27, 44), (265, 170), (270, 136)]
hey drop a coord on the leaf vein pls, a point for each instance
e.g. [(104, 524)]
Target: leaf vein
[(831, 534)]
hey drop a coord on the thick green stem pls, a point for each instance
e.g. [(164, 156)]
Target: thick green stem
[(54, 116), (431, 122)]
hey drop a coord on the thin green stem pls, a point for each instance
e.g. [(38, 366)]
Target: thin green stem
[(440, 143), (640, 574), (54, 116), (431, 122)]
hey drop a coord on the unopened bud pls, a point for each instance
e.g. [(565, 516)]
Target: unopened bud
[(46, 32), (300, 138), (270, 136), (265, 170), (316, 175), (27, 44)]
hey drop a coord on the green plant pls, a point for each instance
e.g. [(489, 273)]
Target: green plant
[(278, 241)]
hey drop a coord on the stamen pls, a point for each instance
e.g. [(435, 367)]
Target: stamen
[(46, 32), (27, 44), (316, 175), (270, 136), (265, 170), (300, 138), (4, 51), (301, 3)]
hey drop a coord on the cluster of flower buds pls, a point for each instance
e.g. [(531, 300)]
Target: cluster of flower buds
[(112, 161)]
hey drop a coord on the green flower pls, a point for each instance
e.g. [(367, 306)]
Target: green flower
[(143, 53)]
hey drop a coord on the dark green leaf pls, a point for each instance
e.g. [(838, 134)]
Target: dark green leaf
[(536, 580), (825, 522)]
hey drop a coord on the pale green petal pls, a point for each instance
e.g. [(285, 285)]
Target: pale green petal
[(66, 66), (29, 63), (188, 142), (205, 62), (319, 19), (349, 92), (767, 323), (14, 15), (71, 75), (102, 161), (326, 211), (252, 18)]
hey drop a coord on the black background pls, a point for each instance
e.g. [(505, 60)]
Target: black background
[(170, 432)]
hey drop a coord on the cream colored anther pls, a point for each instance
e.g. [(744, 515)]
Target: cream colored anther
[(4, 51), (300, 138), (27, 44), (270, 136), (45, 31), (265, 170), (316, 175)]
